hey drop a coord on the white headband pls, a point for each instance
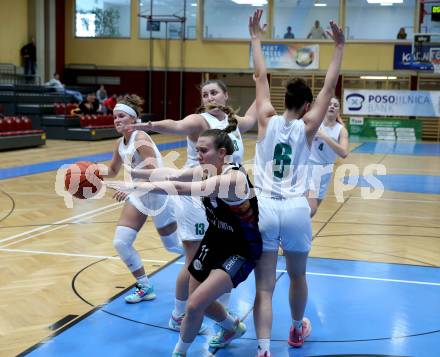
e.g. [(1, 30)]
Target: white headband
[(126, 109)]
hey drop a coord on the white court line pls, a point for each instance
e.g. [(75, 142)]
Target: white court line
[(74, 255), (62, 226), (369, 278), (181, 263), (58, 222)]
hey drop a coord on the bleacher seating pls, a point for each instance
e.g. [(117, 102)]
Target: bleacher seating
[(17, 132)]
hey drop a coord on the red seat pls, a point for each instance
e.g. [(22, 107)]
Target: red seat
[(8, 124), (2, 125), (27, 123), (19, 124)]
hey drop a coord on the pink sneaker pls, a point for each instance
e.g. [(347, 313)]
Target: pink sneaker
[(296, 339), (266, 354)]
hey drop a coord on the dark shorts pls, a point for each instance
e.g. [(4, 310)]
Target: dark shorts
[(237, 267)]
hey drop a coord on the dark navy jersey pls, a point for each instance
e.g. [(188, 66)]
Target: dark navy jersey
[(233, 226)]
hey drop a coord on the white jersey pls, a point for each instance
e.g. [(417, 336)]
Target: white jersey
[(130, 156), (321, 152), (159, 207), (281, 159), (214, 123)]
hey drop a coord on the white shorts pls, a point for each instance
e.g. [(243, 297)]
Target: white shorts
[(191, 218), (286, 222), (159, 207), (320, 178)]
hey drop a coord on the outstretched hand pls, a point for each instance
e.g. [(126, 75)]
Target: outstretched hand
[(336, 34), (255, 29), (120, 186)]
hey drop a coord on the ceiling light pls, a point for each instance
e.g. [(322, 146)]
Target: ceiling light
[(378, 77), (250, 2), (385, 1), (194, 4), (320, 4)]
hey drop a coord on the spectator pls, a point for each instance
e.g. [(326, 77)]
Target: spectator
[(109, 104), (90, 105), (101, 94), (317, 32), (59, 87), (401, 35), (289, 33), (29, 54)]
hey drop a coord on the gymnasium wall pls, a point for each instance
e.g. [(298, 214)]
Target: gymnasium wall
[(14, 30), (201, 55)]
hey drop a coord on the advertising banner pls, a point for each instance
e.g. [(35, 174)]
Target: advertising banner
[(289, 56), (391, 102), (405, 59), (386, 127)]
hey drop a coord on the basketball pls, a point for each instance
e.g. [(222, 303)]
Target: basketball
[(82, 179)]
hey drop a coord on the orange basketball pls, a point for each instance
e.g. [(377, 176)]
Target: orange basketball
[(82, 179)]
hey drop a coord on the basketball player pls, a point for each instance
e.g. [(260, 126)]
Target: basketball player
[(330, 141), (136, 149), (191, 214), (232, 244), (282, 154)]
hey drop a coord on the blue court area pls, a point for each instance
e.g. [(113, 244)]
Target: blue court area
[(356, 308), (398, 148), (16, 171), (428, 184)]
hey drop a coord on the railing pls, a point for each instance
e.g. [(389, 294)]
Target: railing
[(10, 75)]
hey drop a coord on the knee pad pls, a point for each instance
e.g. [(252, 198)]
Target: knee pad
[(123, 243), (172, 243)]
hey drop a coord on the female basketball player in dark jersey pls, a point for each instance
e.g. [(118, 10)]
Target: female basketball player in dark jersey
[(232, 244)]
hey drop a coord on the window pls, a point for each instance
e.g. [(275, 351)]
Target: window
[(371, 20), (229, 19), (430, 13), (302, 17), (101, 18), (167, 16)]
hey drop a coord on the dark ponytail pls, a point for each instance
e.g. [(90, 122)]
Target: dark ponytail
[(297, 94), (232, 116), (221, 140)]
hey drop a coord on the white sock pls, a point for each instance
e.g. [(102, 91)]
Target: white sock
[(228, 323), (264, 345), (179, 307), (225, 299), (181, 346), (297, 324), (143, 280)]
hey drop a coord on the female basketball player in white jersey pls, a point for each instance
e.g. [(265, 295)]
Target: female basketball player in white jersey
[(330, 141), (231, 245), (190, 213), (282, 154), (137, 150)]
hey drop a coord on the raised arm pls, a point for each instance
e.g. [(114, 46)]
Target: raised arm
[(264, 107), (315, 116), (248, 121)]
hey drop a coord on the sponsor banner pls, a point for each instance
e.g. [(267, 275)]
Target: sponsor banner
[(392, 102), (289, 56), (405, 59), (385, 127)]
